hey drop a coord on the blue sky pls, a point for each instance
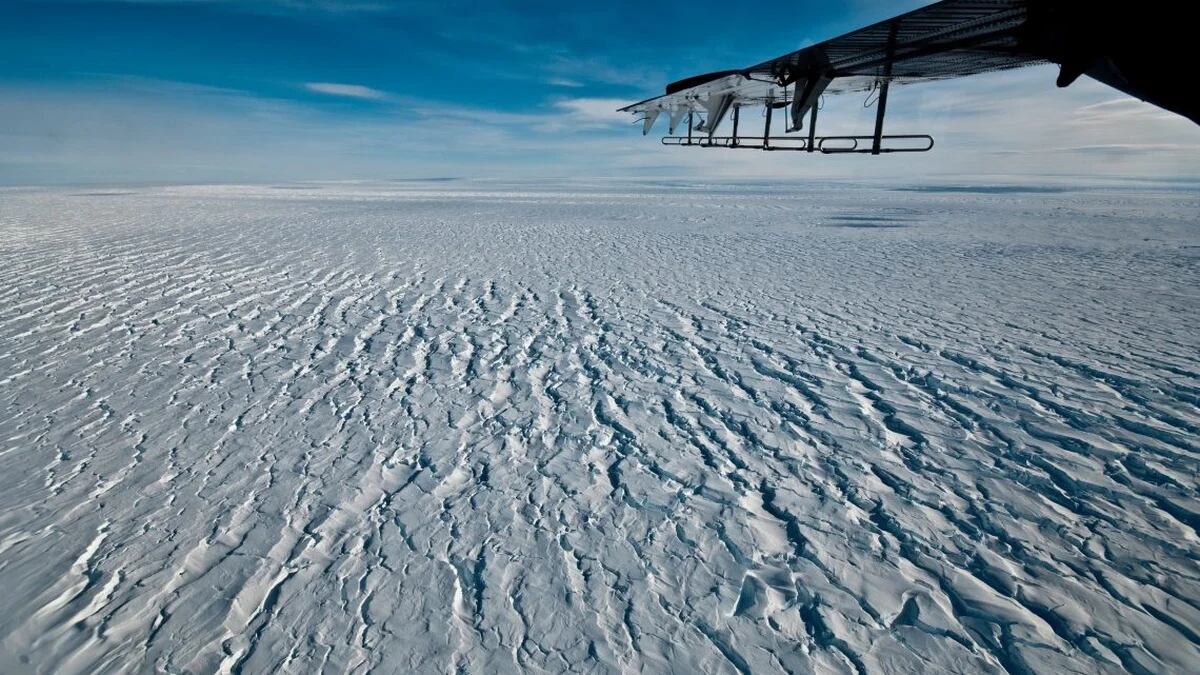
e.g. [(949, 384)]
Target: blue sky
[(220, 91)]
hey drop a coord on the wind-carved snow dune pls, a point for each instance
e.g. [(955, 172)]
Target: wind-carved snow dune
[(668, 428)]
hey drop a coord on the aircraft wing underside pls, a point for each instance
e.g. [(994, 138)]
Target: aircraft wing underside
[(951, 38)]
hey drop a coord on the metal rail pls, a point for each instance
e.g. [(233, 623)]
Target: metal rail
[(876, 144), (739, 142), (836, 144)]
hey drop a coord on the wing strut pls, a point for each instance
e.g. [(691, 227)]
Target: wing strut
[(737, 107), (812, 130), (877, 142), (767, 127)]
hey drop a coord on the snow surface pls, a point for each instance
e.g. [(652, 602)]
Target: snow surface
[(600, 428)]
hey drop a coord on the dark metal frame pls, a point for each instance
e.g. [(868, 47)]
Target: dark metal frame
[(827, 145), (838, 145)]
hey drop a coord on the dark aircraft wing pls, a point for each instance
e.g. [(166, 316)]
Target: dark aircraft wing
[(1131, 47), (948, 39)]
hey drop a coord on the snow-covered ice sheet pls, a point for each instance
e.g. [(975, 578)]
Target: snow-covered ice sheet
[(600, 428)]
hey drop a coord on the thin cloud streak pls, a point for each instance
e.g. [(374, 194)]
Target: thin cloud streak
[(347, 90), (595, 111)]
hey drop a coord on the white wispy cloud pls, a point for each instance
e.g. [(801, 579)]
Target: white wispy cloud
[(594, 112), (139, 130), (347, 90), (124, 131), (1117, 111)]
